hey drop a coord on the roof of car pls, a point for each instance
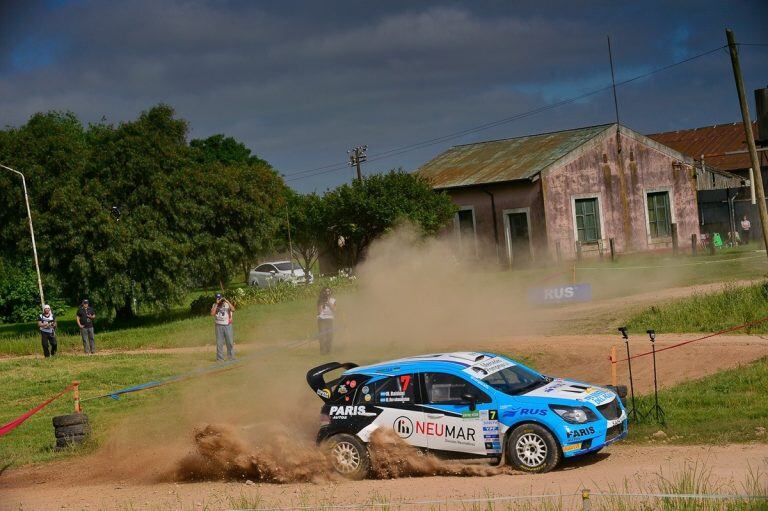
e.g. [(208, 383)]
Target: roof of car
[(458, 360)]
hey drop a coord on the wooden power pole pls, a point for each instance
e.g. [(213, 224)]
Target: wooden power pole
[(357, 156), (758, 181)]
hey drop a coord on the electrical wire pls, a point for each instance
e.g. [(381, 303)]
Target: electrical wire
[(334, 167)]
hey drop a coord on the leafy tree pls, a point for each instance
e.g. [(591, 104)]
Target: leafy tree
[(308, 227), (360, 212)]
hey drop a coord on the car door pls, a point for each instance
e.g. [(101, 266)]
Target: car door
[(451, 425), (398, 397)]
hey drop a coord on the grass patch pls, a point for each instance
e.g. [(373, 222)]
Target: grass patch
[(710, 312), (726, 407), (27, 383)]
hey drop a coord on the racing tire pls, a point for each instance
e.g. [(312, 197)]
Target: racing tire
[(532, 448), (67, 431), (70, 420), (63, 443), (349, 456)]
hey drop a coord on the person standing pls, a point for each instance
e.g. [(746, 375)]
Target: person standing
[(746, 225), (222, 315), (46, 322), (326, 307), (85, 316)]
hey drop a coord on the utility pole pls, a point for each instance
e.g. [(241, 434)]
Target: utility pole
[(357, 156), (31, 232), (758, 183), (624, 197)]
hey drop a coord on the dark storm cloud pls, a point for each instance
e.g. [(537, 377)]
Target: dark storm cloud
[(300, 82)]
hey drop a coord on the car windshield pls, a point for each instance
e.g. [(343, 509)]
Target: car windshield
[(515, 380), (286, 266)]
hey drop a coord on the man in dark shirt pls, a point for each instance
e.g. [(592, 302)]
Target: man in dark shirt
[(85, 317)]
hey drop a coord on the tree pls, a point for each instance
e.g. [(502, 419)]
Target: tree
[(360, 212), (308, 227)]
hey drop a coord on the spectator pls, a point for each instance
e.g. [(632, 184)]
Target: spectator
[(746, 225), (222, 314), (85, 316), (47, 324), (326, 306)]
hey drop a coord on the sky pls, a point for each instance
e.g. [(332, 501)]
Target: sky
[(301, 82)]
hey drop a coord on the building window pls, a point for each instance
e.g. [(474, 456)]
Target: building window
[(659, 219), (465, 230), (587, 220)]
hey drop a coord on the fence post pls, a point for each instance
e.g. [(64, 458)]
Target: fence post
[(76, 396), (711, 245), (573, 274), (613, 250), (694, 242), (586, 505), (578, 251), (674, 239), (614, 378)]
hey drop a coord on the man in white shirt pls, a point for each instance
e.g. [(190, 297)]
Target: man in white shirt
[(326, 306), (222, 316), (746, 225), (46, 322)]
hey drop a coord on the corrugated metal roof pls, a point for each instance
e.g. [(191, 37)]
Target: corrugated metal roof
[(504, 160), (710, 140)]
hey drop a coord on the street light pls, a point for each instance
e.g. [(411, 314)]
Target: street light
[(31, 232)]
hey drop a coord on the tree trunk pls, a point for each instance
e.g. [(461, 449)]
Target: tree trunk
[(125, 312)]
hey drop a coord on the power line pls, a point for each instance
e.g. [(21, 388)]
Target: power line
[(333, 167)]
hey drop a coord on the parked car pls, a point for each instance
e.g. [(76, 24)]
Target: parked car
[(269, 274), (464, 405)]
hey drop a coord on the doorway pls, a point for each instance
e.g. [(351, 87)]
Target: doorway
[(517, 225)]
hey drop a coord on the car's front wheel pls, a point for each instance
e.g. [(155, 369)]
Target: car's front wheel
[(349, 456), (532, 448)]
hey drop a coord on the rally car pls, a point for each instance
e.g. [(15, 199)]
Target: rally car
[(464, 406)]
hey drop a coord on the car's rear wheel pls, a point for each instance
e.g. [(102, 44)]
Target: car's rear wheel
[(532, 448), (349, 456)]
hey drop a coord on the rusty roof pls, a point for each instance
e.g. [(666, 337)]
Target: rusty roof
[(504, 160), (712, 142)]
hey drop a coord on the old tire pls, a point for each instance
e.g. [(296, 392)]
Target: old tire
[(75, 430), (532, 448), (70, 420), (62, 443), (349, 456)]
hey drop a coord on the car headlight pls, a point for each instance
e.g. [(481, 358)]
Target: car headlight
[(574, 414)]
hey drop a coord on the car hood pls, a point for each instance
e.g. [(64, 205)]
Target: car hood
[(573, 391)]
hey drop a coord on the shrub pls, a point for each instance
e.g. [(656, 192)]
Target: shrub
[(19, 295)]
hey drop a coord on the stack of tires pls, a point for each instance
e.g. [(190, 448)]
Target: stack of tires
[(70, 430)]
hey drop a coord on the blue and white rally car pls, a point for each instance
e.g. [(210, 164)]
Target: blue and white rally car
[(464, 406)]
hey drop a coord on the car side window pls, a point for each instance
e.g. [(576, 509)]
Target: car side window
[(448, 389), (399, 389), (264, 268)]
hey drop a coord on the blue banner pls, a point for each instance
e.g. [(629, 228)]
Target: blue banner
[(561, 294)]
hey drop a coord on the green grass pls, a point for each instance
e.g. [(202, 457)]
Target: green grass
[(29, 382), (722, 408), (708, 312)]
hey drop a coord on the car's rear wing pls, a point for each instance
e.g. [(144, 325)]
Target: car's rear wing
[(318, 384)]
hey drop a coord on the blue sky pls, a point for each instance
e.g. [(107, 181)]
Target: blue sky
[(300, 82)]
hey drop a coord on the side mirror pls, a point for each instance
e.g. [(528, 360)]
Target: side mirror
[(471, 399)]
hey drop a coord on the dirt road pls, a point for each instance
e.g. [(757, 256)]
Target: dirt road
[(725, 467)]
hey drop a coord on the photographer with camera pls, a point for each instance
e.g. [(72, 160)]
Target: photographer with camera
[(222, 315), (85, 316), (47, 324), (326, 306)]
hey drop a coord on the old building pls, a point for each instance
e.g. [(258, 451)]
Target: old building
[(555, 195)]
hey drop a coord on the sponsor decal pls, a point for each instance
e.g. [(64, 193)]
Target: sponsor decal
[(352, 384), (365, 389), (577, 433), (558, 294), (446, 431), (558, 383), (616, 422), (403, 426), (572, 447), (519, 412), (599, 397), (405, 380), (367, 397), (470, 415), (490, 428), (490, 437), (492, 446), (324, 393), (394, 396), (486, 367), (493, 415), (342, 412), (342, 389)]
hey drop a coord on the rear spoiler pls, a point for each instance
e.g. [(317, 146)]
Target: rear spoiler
[(318, 384)]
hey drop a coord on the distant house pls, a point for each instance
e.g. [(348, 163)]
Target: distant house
[(558, 195), (722, 151)]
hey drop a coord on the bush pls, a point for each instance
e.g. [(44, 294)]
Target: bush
[(270, 295), (19, 295)]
